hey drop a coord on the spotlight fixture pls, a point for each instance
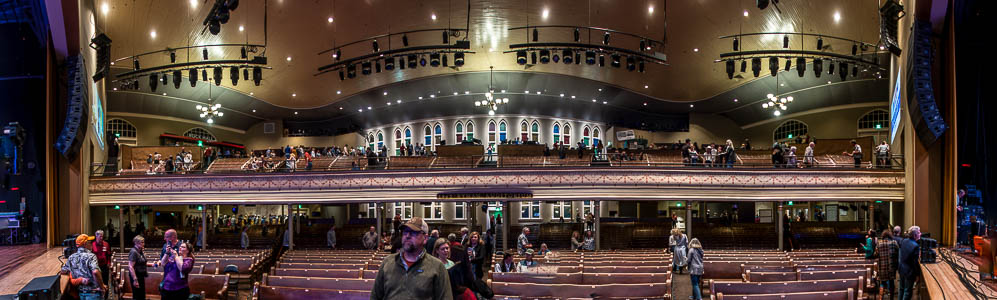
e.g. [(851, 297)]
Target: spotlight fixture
[(389, 63), (830, 69), (135, 62), (730, 69), (556, 57), (444, 60), (855, 49), (789, 64), (204, 74), (458, 59), (243, 53), (640, 66), (412, 63), (855, 71), (164, 78), (365, 68), (756, 66), (578, 57), (818, 67), (351, 71), (744, 66), (422, 60), (843, 72), (434, 59), (577, 35), (631, 63), (785, 41), (567, 56), (590, 57), (533, 57), (177, 78), (204, 53), (801, 66), (217, 73), (338, 55), (820, 44), (192, 76), (342, 75), (521, 57), (234, 75), (401, 62), (544, 56), (536, 35), (735, 44), (602, 60), (643, 45), (173, 57), (374, 46), (405, 40), (615, 60), (245, 74), (446, 37), (605, 39), (153, 81)]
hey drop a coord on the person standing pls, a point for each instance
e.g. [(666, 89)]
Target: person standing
[(808, 155), (576, 241), (870, 244), (137, 268), (83, 269), (887, 256), (172, 244), (883, 155), (476, 255), (411, 273), (441, 251), (431, 240), (102, 250), (856, 154), (678, 242), (177, 265), (370, 239), (523, 241), (244, 237), (695, 268), (330, 237), (910, 263)]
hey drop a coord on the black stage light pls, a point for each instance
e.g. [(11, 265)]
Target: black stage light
[(605, 39), (245, 74), (643, 44), (820, 44), (756, 66), (544, 56), (443, 58), (556, 57), (153, 81), (730, 69), (762, 4), (405, 40), (338, 55), (458, 59), (177, 78), (204, 74), (389, 63), (615, 60), (204, 53), (855, 49), (521, 57), (377, 66), (744, 66), (577, 35), (801, 66), (434, 59), (536, 35), (533, 57), (785, 41), (855, 71), (773, 65), (164, 78), (401, 62), (818, 67), (412, 63), (135, 62), (223, 15), (214, 27), (192, 76), (843, 72), (342, 76), (735, 44), (233, 75), (243, 53), (640, 66), (568, 57), (830, 69), (351, 71), (218, 75), (789, 64), (602, 60), (365, 68), (422, 60), (374, 46), (631, 63), (446, 37), (578, 57), (173, 57), (590, 57), (232, 4)]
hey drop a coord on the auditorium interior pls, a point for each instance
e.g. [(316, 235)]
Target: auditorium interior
[(781, 136)]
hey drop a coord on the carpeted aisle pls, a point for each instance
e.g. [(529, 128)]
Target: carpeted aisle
[(681, 287)]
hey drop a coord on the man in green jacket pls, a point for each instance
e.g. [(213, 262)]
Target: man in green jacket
[(410, 273)]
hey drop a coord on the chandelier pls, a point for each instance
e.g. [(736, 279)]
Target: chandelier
[(210, 111), (490, 101), (776, 103)]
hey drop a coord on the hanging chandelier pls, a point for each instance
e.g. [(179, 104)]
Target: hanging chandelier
[(776, 103), (210, 111), (491, 102)]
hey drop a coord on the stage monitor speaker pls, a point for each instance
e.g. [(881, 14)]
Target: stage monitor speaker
[(924, 113), (41, 288), (74, 130)]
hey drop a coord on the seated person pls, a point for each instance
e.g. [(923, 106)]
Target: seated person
[(544, 250), (527, 263), (507, 264)]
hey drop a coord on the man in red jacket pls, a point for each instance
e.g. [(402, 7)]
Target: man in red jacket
[(102, 250)]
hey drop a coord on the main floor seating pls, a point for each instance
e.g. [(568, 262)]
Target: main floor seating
[(320, 274), (805, 274), (644, 274), (213, 270)]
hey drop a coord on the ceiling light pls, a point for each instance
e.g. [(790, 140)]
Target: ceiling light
[(433, 16), (385, 93), (837, 17), (691, 105), (164, 94), (339, 92), (777, 113), (604, 102), (600, 89), (646, 86), (294, 95), (521, 57), (241, 28), (745, 13), (735, 100), (790, 98), (545, 13), (254, 110), (152, 34), (526, 92), (104, 8), (400, 101), (432, 96), (387, 103), (210, 121), (340, 108), (572, 96), (695, 49), (295, 112), (538, 92), (114, 89), (455, 93), (368, 108), (420, 97), (769, 96), (593, 100), (193, 3), (503, 91), (650, 9), (562, 94), (288, 58), (467, 92), (360, 110), (765, 105), (645, 103), (330, 19)]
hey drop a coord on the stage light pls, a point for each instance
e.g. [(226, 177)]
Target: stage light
[(631, 63), (338, 55), (521, 57), (789, 64), (577, 35), (735, 44), (422, 60), (217, 73), (401, 62), (243, 53), (443, 58), (389, 63), (556, 57), (602, 60), (855, 49), (818, 67), (233, 75), (578, 57), (351, 71), (567, 56), (135, 62), (192, 76), (830, 69), (173, 57), (153, 81), (214, 27), (223, 15), (762, 4), (365, 68), (773, 65), (342, 75), (744, 66), (446, 37), (458, 59), (533, 57), (412, 63), (245, 74), (544, 56), (164, 78), (785, 41), (374, 46), (730, 69), (204, 74), (756, 66), (640, 66), (377, 66), (177, 78), (536, 35), (855, 71), (434, 59), (615, 60), (843, 72), (605, 39), (590, 57), (405, 40), (801, 66), (204, 53)]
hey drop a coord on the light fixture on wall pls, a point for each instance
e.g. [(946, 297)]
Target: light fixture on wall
[(490, 100)]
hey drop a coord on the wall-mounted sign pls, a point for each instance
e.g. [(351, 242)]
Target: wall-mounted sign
[(625, 135)]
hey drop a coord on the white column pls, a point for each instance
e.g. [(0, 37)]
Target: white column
[(290, 229), (204, 228), (688, 218), (778, 223), (505, 225), (598, 229)]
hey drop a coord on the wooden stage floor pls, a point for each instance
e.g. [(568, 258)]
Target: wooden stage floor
[(942, 280), (39, 261)]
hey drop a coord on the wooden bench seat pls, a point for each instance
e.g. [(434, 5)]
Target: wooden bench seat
[(318, 273), (319, 283), (560, 291), (751, 276), (625, 269), (208, 286), (848, 294), (321, 266), (262, 292), (752, 288)]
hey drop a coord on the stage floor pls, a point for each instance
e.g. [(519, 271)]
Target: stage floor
[(942, 279), (44, 263)]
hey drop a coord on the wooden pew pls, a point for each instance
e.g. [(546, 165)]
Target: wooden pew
[(751, 288), (319, 283), (319, 273), (532, 290), (291, 293), (848, 294)]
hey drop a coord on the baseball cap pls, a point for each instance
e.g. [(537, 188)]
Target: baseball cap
[(83, 238), (529, 252), (417, 224)]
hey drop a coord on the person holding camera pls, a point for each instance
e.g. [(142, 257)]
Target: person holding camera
[(83, 270), (177, 265)]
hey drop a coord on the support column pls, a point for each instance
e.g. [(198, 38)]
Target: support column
[(505, 225), (290, 229), (469, 216), (204, 228), (598, 229), (379, 211), (121, 233), (872, 215), (778, 223), (688, 218)]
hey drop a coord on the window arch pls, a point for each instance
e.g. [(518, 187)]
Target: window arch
[(408, 137), (199, 133), (398, 142), (427, 135), (557, 132), (469, 130), (491, 134), (586, 136), (524, 131), (437, 135), (458, 132), (370, 141), (789, 130), (567, 134), (535, 132), (595, 136), (875, 120), (380, 140), (121, 129), (502, 131)]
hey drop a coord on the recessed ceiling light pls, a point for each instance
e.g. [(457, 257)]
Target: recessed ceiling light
[(562, 94), (650, 9), (329, 19), (340, 108), (398, 101), (295, 112), (433, 16), (645, 103), (646, 86), (360, 110), (254, 110), (600, 90), (385, 93), (695, 49), (152, 34), (593, 100), (432, 96), (420, 97), (604, 102), (545, 13), (455, 93), (745, 13), (104, 8), (339, 92), (572, 96), (691, 105), (193, 3), (294, 95), (388, 103), (241, 28), (837, 17), (735, 99), (368, 108), (288, 58)]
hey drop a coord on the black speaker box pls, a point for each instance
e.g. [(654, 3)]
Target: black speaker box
[(41, 288), (924, 113), (74, 130)]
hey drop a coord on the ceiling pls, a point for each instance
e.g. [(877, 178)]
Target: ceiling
[(301, 29)]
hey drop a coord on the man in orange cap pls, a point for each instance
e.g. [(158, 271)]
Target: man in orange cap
[(82, 266)]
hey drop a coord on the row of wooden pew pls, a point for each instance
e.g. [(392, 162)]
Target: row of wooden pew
[(212, 272), (808, 274), (627, 274), (320, 274)]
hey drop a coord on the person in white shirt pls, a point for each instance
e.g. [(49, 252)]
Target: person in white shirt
[(808, 155), (883, 155), (244, 238), (708, 156), (856, 154)]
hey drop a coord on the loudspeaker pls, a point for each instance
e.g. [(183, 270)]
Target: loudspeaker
[(928, 122), (75, 127), (41, 288)]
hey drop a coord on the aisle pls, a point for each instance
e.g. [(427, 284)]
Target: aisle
[(681, 287)]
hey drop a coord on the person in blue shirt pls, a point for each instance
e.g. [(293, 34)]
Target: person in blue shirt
[(910, 263)]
